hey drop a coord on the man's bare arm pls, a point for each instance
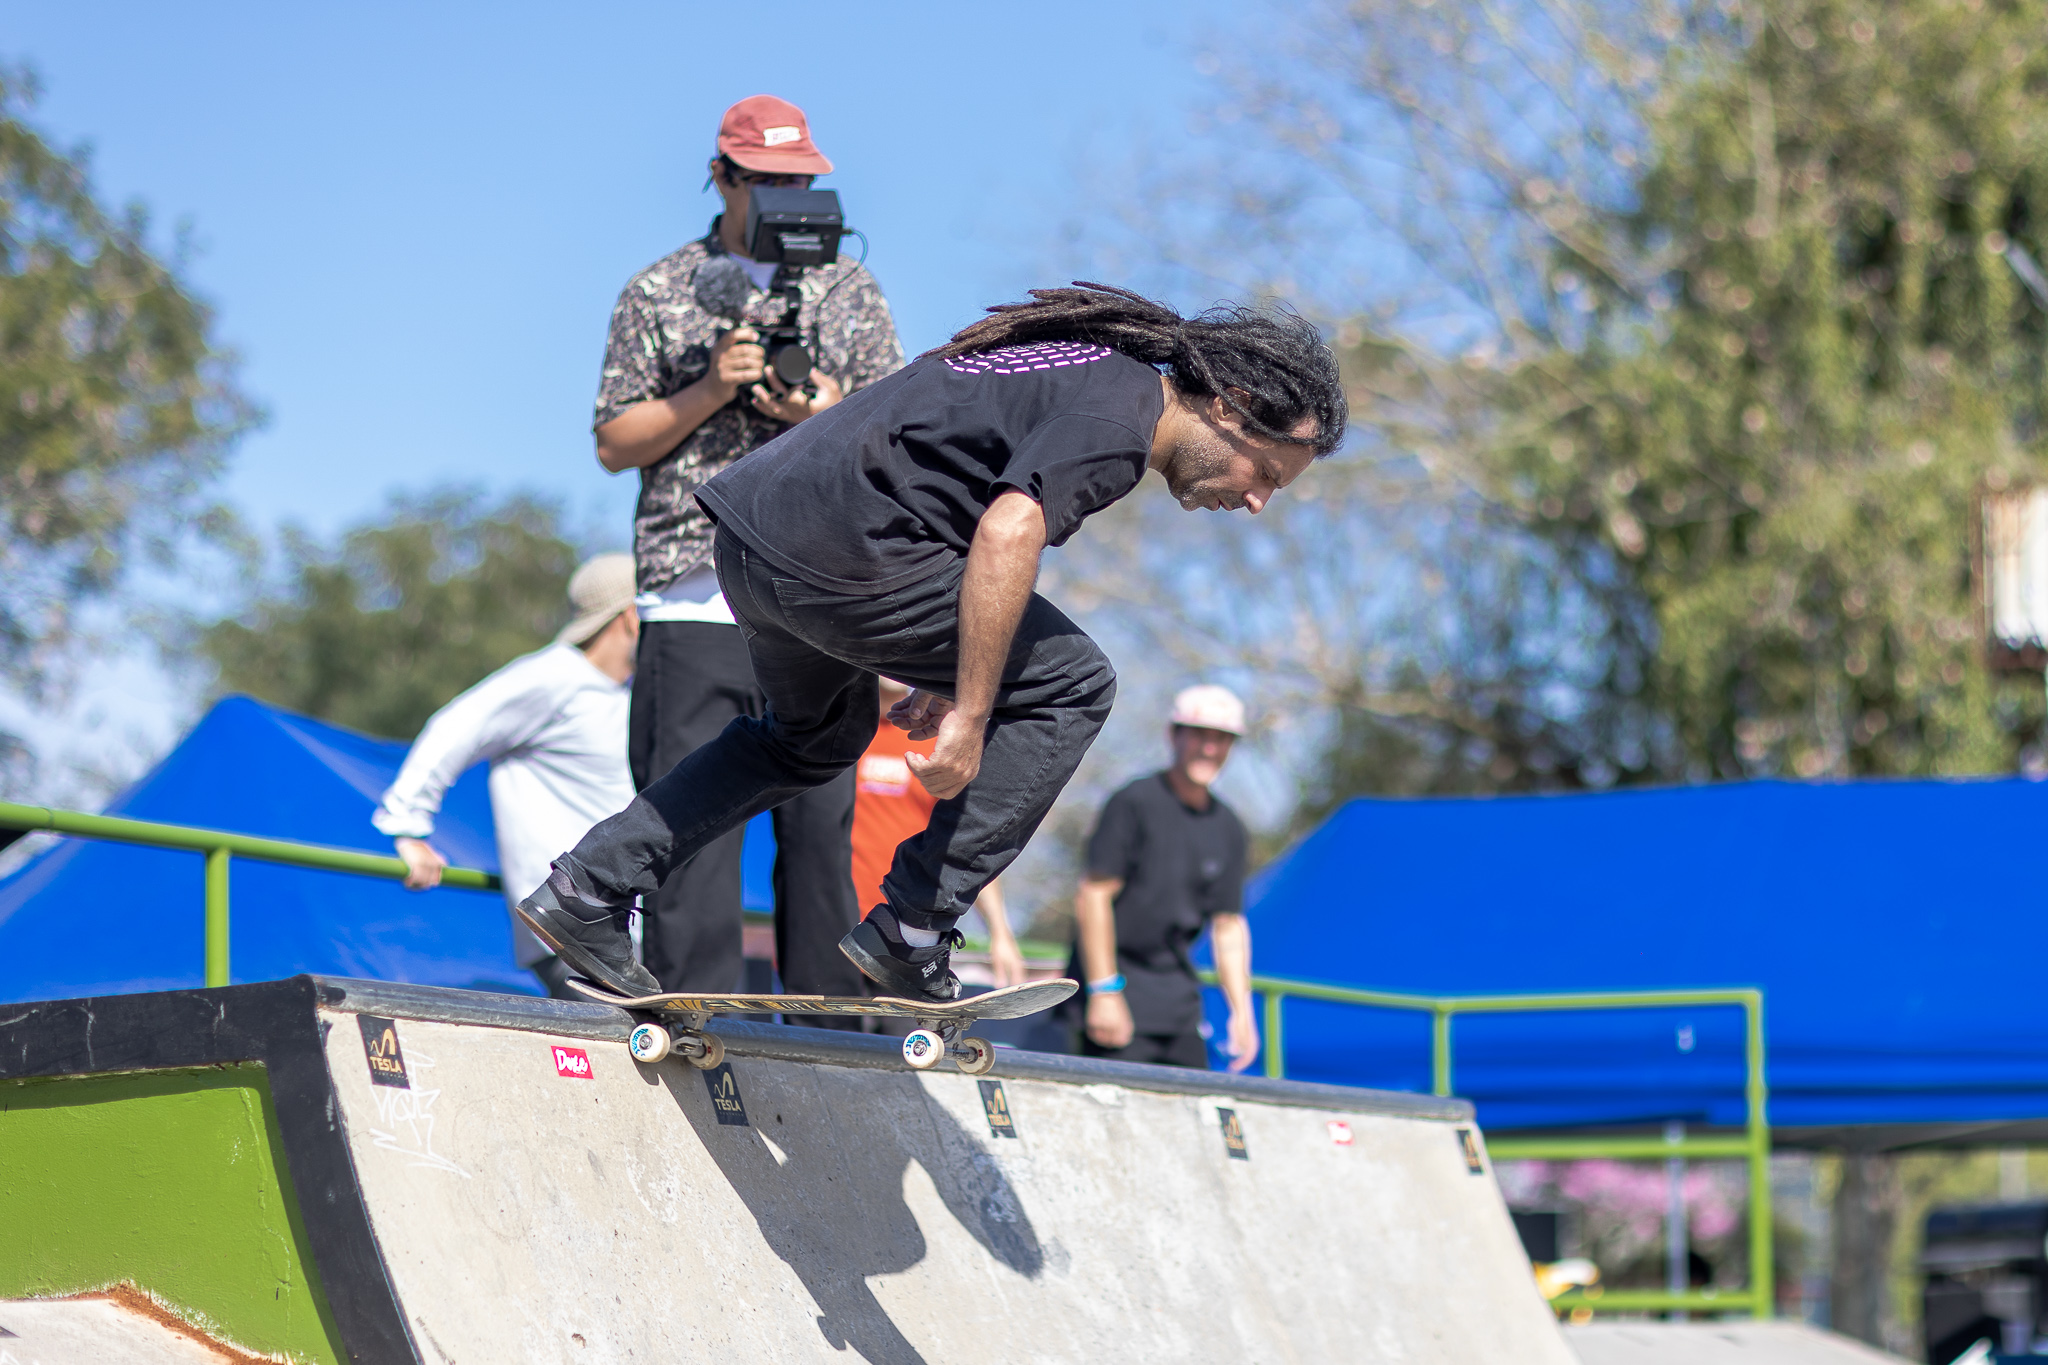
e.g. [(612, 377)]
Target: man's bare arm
[(1095, 921), (647, 431), (1002, 569), (1005, 958), (1230, 938), (1108, 1017)]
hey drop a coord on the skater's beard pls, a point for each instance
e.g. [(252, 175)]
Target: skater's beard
[(1201, 474)]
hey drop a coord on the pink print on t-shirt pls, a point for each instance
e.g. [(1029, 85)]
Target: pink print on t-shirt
[(1039, 355)]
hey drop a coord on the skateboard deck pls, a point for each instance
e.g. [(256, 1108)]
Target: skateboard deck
[(940, 1030), (1011, 1002)]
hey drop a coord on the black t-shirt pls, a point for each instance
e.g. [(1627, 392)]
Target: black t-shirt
[(886, 487), (1179, 867)]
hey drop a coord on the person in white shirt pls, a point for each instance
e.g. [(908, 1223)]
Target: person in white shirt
[(553, 726)]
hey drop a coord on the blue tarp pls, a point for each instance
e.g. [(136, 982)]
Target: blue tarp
[(86, 917), (1896, 928)]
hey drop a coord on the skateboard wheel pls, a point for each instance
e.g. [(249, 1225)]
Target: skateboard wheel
[(712, 1055), (975, 1056), (649, 1043), (922, 1048)]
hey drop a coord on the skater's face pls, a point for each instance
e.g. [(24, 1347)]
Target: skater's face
[(1216, 464), (1199, 752)]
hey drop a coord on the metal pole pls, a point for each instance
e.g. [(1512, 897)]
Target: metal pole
[(1440, 1049), (1677, 1245), (1276, 1064), (217, 917), (1761, 1271)]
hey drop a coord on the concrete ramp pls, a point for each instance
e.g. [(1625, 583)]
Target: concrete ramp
[(1719, 1343), (483, 1178)]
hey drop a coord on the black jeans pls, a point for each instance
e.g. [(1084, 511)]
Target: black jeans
[(816, 653), (691, 679)]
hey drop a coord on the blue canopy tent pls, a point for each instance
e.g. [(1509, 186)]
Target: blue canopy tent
[(1892, 925), (87, 918)]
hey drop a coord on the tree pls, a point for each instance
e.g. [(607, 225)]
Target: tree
[(116, 403), (1802, 351), (1699, 325), (379, 630), (1664, 303)]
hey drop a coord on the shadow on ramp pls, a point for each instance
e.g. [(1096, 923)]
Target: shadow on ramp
[(821, 1164)]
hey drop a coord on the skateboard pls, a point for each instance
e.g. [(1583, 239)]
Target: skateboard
[(940, 1031)]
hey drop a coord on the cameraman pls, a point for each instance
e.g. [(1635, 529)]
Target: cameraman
[(685, 394)]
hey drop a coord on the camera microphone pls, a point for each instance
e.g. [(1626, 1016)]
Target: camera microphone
[(721, 288)]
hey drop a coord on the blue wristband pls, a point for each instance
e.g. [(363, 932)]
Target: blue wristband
[(1108, 985)]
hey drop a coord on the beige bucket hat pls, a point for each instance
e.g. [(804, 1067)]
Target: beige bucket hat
[(600, 589)]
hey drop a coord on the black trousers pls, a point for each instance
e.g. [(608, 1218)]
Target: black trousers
[(1160, 1049), (816, 653), (691, 680)]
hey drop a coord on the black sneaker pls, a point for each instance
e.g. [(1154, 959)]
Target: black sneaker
[(590, 937), (876, 946)]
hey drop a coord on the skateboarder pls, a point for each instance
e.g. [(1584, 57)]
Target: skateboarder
[(900, 532)]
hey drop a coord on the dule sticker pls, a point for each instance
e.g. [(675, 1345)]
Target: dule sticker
[(725, 1095), (1233, 1134), (996, 1105), (1340, 1132), (380, 1046), (572, 1062)]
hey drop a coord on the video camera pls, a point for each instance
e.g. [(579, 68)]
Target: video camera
[(795, 229)]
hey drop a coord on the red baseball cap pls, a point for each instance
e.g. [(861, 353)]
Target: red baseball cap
[(763, 133)]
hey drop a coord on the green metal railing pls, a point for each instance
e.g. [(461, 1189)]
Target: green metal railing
[(1753, 1147), (220, 848)]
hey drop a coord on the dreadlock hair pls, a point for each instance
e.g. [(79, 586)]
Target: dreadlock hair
[(1268, 365)]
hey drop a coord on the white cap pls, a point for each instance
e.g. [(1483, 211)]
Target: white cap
[(1209, 707), (600, 589)]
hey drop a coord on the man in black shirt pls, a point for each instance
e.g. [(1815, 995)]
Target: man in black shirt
[(899, 532), (1167, 860)]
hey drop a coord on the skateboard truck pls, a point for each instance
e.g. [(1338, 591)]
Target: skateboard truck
[(652, 1041), (932, 1039)]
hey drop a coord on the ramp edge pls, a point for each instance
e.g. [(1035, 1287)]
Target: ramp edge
[(782, 1042)]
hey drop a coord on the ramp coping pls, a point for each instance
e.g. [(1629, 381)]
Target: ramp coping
[(783, 1042)]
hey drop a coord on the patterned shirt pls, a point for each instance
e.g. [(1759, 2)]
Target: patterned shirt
[(660, 343)]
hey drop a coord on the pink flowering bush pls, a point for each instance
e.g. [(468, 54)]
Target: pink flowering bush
[(1614, 1213)]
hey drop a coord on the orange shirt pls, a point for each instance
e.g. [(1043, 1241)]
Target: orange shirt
[(889, 805)]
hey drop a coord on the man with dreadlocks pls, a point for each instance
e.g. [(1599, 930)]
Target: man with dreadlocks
[(899, 532)]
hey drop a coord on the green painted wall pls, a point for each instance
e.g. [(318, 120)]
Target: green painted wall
[(172, 1179)]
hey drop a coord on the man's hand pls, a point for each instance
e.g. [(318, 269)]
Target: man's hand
[(995, 588), (1109, 1020), (1006, 962), (956, 758), (920, 713), (423, 866), (1244, 1039), (1005, 958), (785, 404), (738, 360)]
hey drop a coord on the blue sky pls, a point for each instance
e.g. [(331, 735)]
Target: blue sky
[(413, 220)]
